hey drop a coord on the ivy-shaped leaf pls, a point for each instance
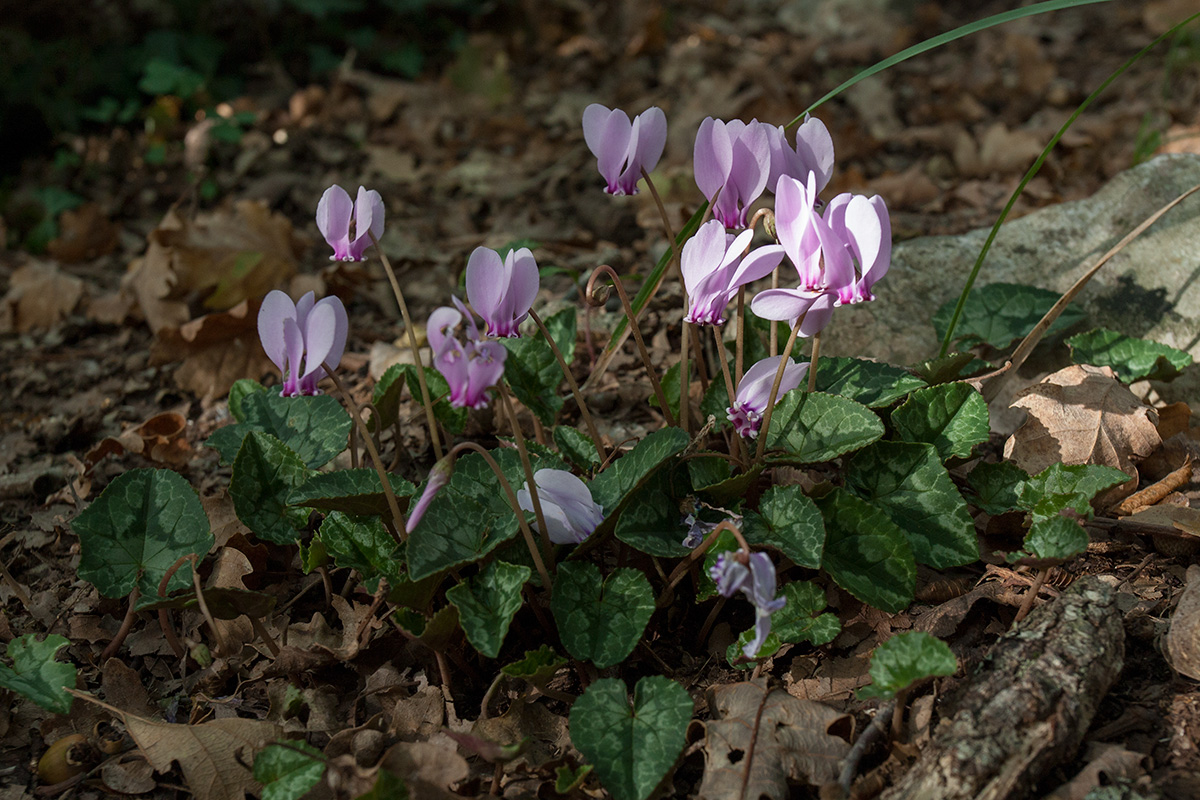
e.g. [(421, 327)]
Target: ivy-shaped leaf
[(631, 746), (264, 474), (905, 659), (351, 491), (801, 620), (537, 667), (36, 674), (315, 428), (288, 772), (139, 526), (616, 483), (1055, 538), (908, 482), (996, 486), (650, 520), (531, 369), (362, 543), (390, 388), (1000, 313), (600, 619), (811, 427), (865, 553), (790, 522), (487, 604), (871, 383), (953, 417), (1131, 358), (576, 447)]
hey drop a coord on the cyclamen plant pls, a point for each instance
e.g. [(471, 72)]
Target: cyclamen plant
[(300, 337)]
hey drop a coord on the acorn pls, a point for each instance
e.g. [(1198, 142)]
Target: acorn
[(64, 759)]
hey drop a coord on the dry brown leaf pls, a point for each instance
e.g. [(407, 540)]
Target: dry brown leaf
[(1183, 637), (217, 350), (1083, 415), (1107, 763), (792, 741), (129, 775), (39, 296), (218, 261), (160, 439), (84, 233), (428, 769), (212, 754)]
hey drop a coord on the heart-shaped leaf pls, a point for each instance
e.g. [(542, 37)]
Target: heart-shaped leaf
[(865, 553), (871, 383), (632, 747), (315, 428), (487, 604), (287, 773), (362, 543), (140, 525), (790, 522), (811, 427), (1131, 358), (532, 370), (35, 673), (1000, 313), (264, 474), (905, 659), (953, 417), (352, 491), (600, 619)]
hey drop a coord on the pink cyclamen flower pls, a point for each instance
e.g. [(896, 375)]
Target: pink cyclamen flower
[(310, 331), (333, 220), (813, 154), (502, 292), (864, 228), (567, 505), (623, 148), (733, 158), (714, 269), (471, 368), (754, 390), (756, 579)]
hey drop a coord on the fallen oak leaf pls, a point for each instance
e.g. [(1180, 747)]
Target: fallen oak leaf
[(1083, 415), (214, 755), (39, 296)]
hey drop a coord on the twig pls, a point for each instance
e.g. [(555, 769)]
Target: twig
[(534, 495), (1031, 595), (874, 731), (1155, 492)]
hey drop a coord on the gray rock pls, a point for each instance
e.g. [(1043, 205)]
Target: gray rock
[(1150, 289)]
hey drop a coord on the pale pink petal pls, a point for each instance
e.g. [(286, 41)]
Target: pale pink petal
[(523, 283), (294, 342), (814, 146), (702, 254), (333, 220), (303, 306), (487, 281), (758, 263), (340, 332), (783, 305), (751, 162), (612, 145), (319, 335), (712, 156), (368, 219), (438, 330), (275, 308)]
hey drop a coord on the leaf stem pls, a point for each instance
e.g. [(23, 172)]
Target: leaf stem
[(812, 362), (126, 627), (412, 346)]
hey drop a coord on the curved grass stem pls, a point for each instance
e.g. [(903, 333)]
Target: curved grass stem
[(605, 269)]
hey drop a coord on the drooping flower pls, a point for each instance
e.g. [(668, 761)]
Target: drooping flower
[(813, 154), (567, 505), (754, 390), (502, 292), (713, 269), (733, 158), (471, 368), (623, 148), (300, 337), (333, 220), (439, 476), (756, 579), (864, 227)]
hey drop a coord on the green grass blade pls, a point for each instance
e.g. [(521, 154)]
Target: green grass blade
[(1033, 170), (946, 38)]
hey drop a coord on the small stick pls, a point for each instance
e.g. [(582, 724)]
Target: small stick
[(874, 731), (261, 631), (579, 401), (200, 601), (662, 213), (412, 345), (637, 335), (1155, 492), (766, 423), (1031, 595)]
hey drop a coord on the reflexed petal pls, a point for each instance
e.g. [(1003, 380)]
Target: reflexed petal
[(794, 218), (652, 138), (702, 254), (751, 162), (303, 306), (877, 265), (729, 574), (783, 305), (595, 117), (818, 316), (712, 156), (523, 285), (814, 146), (612, 145), (368, 219), (333, 219), (754, 390), (275, 308), (487, 282), (319, 333), (438, 329), (451, 362), (484, 370), (758, 263), (294, 342), (762, 629), (341, 330)]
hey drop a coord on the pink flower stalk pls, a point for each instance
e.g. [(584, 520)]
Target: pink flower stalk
[(756, 579), (754, 390), (714, 269), (734, 158), (813, 154), (502, 292), (623, 148), (469, 368), (333, 220), (439, 476), (310, 331), (567, 505)]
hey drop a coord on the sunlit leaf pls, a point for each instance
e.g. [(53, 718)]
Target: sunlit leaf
[(866, 553), (1131, 358), (905, 659), (953, 417)]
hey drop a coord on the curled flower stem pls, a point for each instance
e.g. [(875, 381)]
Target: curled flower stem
[(579, 401), (547, 545), (126, 627), (812, 362), (164, 618), (637, 335), (737, 447), (401, 531), (530, 542), (766, 423), (412, 345)]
